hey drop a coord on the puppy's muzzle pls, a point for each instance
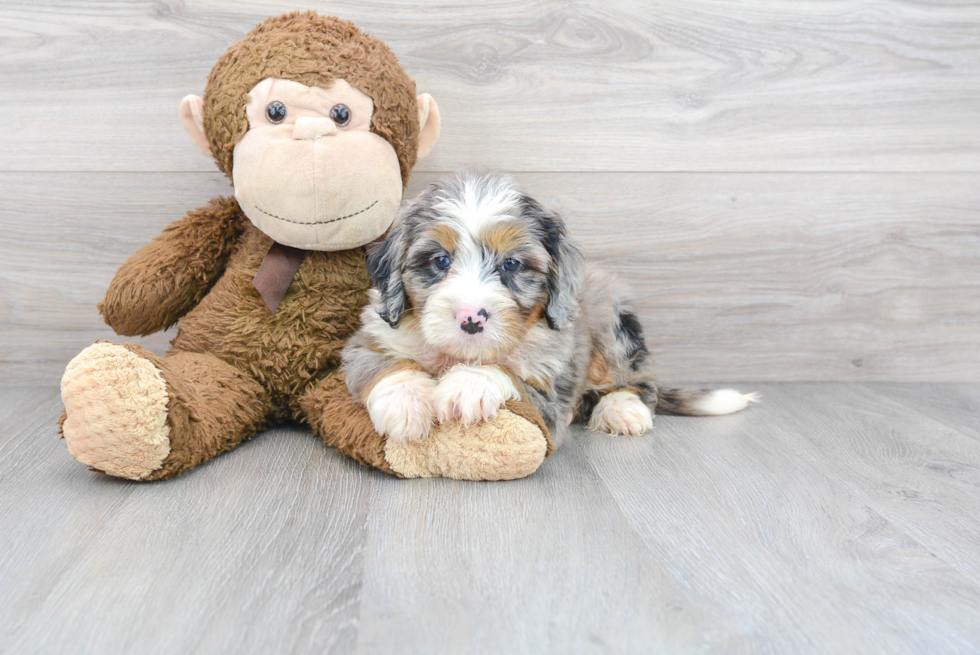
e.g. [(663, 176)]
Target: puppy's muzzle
[(472, 320)]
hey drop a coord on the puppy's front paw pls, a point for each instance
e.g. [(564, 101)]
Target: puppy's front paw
[(400, 405), (621, 412), (470, 394)]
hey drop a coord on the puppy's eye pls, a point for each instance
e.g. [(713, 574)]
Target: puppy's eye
[(340, 114), (511, 265), (275, 112), (442, 262)]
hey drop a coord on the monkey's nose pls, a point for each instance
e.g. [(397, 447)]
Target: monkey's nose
[(472, 320), (312, 127)]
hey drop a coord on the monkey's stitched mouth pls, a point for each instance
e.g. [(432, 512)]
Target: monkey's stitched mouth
[(332, 220)]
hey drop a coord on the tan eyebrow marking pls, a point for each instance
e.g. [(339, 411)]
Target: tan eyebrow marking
[(503, 237), (445, 236)]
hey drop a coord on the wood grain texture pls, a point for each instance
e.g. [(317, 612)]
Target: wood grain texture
[(779, 527), (700, 85), (92, 564), (954, 405), (815, 522), (909, 470), (737, 276), (535, 571)]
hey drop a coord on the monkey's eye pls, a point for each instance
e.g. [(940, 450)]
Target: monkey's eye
[(276, 112), (441, 262), (511, 265), (340, 115)]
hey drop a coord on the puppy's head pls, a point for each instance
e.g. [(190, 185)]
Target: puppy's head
[(479, 262)]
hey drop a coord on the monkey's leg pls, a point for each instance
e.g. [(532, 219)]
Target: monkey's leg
[(131, 414), (512, 445)]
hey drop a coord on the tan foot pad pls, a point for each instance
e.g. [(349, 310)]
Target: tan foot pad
[(506, 448), (116, 406)]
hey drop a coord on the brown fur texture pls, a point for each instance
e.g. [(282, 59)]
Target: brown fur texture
[(334, 417), (285, 351), (174, 272), (234, 367), (314, 50), (213, 407)]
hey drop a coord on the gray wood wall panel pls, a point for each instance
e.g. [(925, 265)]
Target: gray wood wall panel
[(534, 86), (792, 188), (737, 276)]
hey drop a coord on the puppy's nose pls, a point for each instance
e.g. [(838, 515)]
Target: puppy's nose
[(472, 320)]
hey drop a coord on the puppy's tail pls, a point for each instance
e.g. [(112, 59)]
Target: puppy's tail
[(701, 402)]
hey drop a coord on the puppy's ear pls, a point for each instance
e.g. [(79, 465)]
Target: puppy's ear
[(385, 263), (567, 265)]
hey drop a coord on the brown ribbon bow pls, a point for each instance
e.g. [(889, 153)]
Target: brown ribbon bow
[(276, 273)]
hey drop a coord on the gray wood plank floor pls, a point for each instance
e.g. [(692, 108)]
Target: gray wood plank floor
[(832, 518)]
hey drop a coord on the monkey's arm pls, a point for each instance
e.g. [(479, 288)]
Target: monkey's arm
[(166, 278)]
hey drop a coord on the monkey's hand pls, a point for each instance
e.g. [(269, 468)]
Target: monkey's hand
[(473, 394), (166, 278)]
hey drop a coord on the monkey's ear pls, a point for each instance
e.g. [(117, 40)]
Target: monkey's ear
[(429, 123), (192, 117)]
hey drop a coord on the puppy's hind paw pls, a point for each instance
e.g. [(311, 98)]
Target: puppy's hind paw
[(400, 406), (472, 394), (621, 412)]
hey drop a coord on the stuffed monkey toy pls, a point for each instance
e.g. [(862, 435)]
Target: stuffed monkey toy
[(318, 127)]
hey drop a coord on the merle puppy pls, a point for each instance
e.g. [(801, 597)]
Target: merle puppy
[(479, 297)]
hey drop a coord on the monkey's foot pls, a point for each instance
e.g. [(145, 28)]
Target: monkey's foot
[(115, 411), (512, 445)]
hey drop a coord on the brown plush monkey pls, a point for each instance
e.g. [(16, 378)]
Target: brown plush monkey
[(318, 126)]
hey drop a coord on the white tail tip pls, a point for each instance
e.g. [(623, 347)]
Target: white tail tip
[(725, 401)]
